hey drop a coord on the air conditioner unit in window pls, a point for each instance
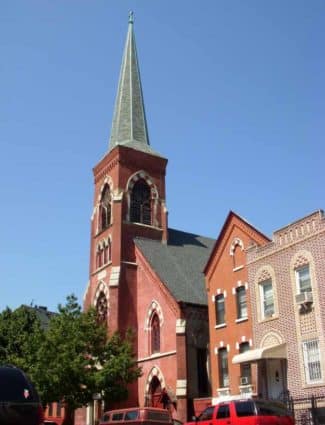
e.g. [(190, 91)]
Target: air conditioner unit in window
[(244, 380), (304, 298)]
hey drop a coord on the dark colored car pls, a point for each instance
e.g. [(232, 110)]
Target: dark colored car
[(19, 401)]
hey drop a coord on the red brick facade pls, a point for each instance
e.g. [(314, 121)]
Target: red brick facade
[(132, 291), (227, 283)]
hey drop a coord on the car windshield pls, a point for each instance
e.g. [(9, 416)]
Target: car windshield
[(14, 386)]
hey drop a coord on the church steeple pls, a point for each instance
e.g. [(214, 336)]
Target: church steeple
[(129, 126)]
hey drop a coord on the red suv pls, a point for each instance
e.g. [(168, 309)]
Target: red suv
[(245, 412)]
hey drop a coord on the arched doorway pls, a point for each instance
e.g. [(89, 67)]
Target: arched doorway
[(155, 392)]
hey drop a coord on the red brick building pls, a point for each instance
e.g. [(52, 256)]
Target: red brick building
[(143, 274), (230, 323), (287, 282)]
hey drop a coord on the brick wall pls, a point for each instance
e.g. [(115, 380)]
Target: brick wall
[(300, 242)]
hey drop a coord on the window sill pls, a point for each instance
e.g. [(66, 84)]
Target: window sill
[(313, 384), (222, 325), (269, 319), (101, 268), (103, 230), (150, 226), (242, 319), (236, 269)]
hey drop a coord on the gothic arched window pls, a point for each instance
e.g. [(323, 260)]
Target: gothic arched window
[(140, 211), (107, 252), (105, 208), (101, 307), (155, 334)]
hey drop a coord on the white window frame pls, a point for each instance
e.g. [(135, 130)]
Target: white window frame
[(312, 361), (262, 298), (217, 298), (298, 281), (238, 305)]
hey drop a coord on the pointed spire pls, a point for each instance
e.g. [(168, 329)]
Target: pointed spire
[(129, 120)]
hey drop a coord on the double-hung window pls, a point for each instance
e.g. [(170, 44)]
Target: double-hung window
[(245, 368), (223, 367), (312, 361), (303, 279), (241, 302), (220, 309), (267, 299)]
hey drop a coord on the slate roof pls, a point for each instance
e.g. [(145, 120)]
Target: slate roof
[(42, 313), (129, 125), (180, 263)]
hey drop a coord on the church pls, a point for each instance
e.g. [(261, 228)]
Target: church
[(144, 275)]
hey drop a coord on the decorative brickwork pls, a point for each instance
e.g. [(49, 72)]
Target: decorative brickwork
[(299, 244)]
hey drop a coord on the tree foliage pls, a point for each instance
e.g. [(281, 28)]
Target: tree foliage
[(73, 359), (21, 334)]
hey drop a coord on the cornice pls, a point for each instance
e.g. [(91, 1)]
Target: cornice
[(282, 248)]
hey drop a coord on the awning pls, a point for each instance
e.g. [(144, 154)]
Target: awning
[(274, 352)]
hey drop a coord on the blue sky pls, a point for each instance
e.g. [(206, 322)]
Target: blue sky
[(235, 99)]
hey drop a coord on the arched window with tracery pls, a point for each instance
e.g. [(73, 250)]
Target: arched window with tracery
[(105, 208), (140, 208), (101, 307), (155, 334)]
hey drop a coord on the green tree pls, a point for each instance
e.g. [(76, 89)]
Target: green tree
[(21, 335), (78, 359), (72, 359)]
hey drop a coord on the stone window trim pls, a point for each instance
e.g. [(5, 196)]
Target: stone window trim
[(154, 372), (220, 310), (221, 345), (107, 182), (241, 303), (103, 253), (154, 307), (263, 274), (236, 243), (142, 175), (219, 291), (299, 260), (155, 338), (298, 272), (223, 367), (242, 341), (102, 292)]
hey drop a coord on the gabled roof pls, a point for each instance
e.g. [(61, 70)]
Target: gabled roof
[(129, 127), (222, 233), (179, 263), (42, 313)]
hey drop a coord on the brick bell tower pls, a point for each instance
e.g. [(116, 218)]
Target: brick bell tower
[(129, 201)]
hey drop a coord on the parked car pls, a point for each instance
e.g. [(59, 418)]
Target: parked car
[(19, 401), (137, 416), (245, 412)]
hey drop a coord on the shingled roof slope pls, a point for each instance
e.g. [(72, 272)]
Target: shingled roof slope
[(43, 314), (180, 263)]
